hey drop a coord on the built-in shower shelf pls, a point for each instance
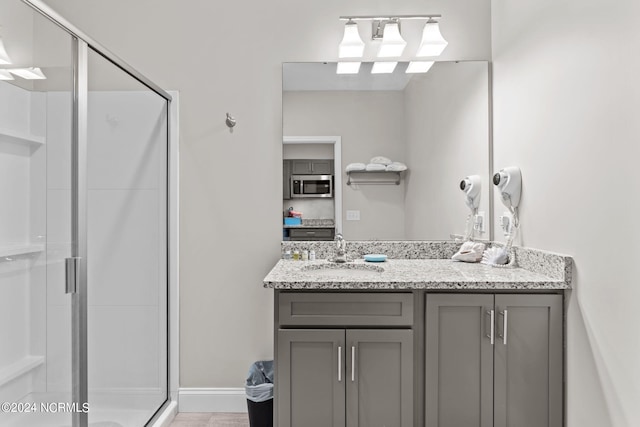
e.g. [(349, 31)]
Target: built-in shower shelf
[(16, 137), (19, 368), (17, 250)]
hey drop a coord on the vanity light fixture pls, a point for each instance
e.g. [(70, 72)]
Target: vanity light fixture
[(392, 42), (432, 43), (351, 45), (419, 66), (383, 67), (31, 73), (5, 75), (348, 68), (386, 29)]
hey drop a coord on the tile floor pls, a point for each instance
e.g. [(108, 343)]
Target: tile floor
[(208, 419)]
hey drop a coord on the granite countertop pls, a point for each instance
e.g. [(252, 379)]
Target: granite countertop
[(313, 223), (303, 225), (442, 274)]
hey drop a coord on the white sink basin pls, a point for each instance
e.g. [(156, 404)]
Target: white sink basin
[(342, 270)]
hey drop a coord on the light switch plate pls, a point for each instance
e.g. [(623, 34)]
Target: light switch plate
[(353, 215)]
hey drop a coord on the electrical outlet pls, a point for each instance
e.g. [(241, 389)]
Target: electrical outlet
[(506, 223), (353, 215), (478, 222)]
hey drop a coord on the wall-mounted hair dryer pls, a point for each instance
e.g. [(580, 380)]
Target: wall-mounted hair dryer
[(471, 186), (509, 183)]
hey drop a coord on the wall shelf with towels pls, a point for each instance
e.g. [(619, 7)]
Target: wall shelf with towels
[(374, 177)]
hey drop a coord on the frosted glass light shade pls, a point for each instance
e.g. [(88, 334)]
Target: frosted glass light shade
[(351, 45), (4, 56), (419, 66), (32, 73), (348, 68), (5, 75), (432, 43), (392, 42), (383, 67)]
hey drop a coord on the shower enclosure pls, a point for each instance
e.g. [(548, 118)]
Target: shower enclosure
[(84, 229)]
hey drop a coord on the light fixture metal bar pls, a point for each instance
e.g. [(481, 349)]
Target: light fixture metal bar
[(388, 17)]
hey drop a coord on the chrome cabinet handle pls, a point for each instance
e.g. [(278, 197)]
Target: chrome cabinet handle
[(339, 363), (491, 335), (353, 363), (505, 320)]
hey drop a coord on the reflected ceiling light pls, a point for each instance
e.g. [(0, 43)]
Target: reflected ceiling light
[(351, 45), (32, 73), (432, 43), (348, 68), (383, 67), (419, 66), (5, 75), (392, 42)]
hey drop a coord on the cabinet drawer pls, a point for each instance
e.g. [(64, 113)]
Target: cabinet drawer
[(345, 309), (311, 233)]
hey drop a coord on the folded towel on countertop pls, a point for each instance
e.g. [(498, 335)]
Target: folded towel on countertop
[(373, 167), (396, 167), (381, 160), (469, 252), (355, 167)]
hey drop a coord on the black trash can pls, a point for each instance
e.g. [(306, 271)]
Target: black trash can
[(259, 389)]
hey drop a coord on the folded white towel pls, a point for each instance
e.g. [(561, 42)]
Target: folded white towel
[(381, 160), (373, 167), (469, 252), (355, 167), (396, 167)]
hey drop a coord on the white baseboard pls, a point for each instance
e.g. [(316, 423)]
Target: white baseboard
[(212, 400)]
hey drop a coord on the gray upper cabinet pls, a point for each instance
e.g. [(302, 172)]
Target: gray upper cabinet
[(459, 361), (493, 360), (528, 361), (310, 378), (312, 167)]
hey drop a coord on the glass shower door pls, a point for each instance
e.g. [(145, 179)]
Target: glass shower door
[(127, 246), (36, 98)]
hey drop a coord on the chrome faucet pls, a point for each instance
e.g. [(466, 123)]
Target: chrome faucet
[(341, 245)]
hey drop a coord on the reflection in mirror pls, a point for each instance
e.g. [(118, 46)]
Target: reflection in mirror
[(437, 123)]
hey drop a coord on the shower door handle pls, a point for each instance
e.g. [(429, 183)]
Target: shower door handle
[(72, 273)]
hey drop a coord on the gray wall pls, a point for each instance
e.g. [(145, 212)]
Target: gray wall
[(236, 50), (447, 132), (566, 104), (371, 123)]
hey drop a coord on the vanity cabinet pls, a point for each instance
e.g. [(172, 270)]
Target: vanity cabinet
[(493, 360), (344, 360), (311, 233)]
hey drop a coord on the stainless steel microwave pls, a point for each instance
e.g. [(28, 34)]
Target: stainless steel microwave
[(311, 186)]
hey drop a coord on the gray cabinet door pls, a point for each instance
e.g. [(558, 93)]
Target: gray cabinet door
[(459, 360), (322, 167), (301, 167), (379, 378), (286, 179), (310, 378), (528, 361)]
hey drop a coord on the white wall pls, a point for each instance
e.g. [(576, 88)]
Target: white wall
[(226, 57), (447, 131), (566, 104), (370, 123)]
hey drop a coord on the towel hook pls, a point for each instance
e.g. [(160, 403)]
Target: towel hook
[(231, 122)]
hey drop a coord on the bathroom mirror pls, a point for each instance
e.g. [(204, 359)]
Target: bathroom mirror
[(437, 123)]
